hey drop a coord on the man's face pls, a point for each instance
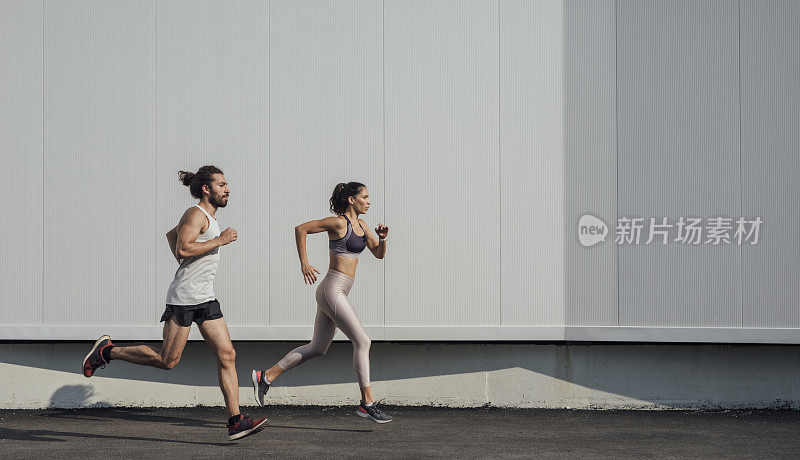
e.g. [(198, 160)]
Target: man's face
[(219, 191)]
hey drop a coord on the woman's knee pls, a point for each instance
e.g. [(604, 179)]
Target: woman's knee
[(318, 350), (324, 350), (362, 342)]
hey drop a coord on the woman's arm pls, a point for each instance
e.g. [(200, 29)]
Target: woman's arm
[(300, 233), (376, 244)]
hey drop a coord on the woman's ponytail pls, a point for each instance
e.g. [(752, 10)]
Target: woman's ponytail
[(341, 192)]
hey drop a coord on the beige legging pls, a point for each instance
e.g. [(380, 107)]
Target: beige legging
[(334, 310)]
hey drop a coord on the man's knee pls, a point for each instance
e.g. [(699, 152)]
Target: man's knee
[(227, 356), (170, 362)]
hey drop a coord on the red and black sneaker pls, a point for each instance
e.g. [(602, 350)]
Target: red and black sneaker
[(95, 357), (245, 427)]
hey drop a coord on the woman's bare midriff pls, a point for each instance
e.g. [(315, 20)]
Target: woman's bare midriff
[(346, 265)]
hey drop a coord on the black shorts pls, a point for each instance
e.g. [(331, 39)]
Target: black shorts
[(185, 314)]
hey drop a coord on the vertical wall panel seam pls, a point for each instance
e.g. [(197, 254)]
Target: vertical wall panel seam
[(383, 110), (96, 131), (616, 138), (567, 225), (741, 184), (41, 306), (500, 174), (155, 249), (564, 207), (269, 152)]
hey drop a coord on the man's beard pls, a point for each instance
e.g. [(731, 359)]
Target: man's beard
[(217, 201)]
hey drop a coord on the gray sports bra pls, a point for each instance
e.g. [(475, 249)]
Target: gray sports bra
[(350, 245)]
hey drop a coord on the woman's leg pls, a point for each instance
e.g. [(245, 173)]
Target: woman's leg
[(324, 330), (346, 320), (344, 316)]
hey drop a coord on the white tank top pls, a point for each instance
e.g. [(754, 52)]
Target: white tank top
[(194, 280)]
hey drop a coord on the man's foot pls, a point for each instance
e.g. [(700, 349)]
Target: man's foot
[(245, 427), (260, 386), (373, 412), (95, 357)]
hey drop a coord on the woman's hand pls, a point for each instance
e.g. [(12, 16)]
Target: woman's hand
[(308, 273), (382, 231)]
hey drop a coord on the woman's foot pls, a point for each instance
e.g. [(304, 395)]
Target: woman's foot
[(373, 412), (260, 386)]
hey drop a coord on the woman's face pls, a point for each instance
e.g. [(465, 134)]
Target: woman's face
[(360, 201)]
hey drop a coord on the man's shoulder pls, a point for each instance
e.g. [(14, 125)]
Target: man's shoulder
[(193, 213), (194, 216)]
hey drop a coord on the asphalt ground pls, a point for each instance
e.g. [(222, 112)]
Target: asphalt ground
[(416, 432)]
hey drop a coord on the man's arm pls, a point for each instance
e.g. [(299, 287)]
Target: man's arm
[(172, 238), (189, 229)]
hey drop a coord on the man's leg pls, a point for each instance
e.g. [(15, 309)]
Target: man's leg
[(175, 337), (215, 332)]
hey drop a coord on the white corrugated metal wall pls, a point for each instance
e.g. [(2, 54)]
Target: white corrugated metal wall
[(683, 109), (484, 130)]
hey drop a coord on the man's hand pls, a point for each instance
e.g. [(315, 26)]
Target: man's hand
[(228, 236)]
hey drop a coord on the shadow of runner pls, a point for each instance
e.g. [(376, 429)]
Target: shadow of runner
[(316, 429), (72, 396), (101, 415), (151, 416), (45, 435), (68, 397), (133, 415)]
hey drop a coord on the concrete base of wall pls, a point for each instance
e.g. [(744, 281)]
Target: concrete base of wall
[(582, 376)]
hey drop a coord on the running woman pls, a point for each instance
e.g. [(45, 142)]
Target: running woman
[(195, 243), (333, 308)]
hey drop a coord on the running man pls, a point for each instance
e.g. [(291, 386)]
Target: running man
[(195, 243), (333, 308)]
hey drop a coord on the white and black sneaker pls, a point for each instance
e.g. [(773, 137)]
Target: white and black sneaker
[(260, 386), (372, 412)]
